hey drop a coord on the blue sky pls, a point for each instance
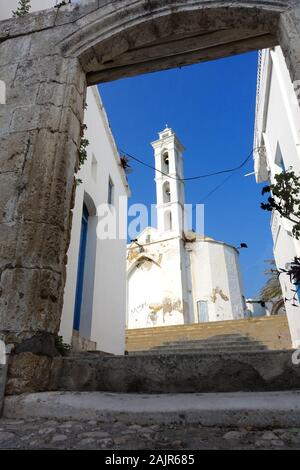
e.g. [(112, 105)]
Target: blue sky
[(211, 108)]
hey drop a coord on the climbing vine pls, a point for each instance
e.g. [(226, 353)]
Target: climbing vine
[(84, 143)]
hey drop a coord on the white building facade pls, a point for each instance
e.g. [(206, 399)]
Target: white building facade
[(175, 276), (95, 293), (277, 140)]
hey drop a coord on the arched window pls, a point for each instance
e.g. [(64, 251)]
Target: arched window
[(166, 193), (165, 163), (168, 221)]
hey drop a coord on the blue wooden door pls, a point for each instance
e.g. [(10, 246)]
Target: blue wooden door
[(80, 268), (202, 311)]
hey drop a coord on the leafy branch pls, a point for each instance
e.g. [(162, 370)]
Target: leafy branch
[(294, 274), (23, 9), (285, 198)]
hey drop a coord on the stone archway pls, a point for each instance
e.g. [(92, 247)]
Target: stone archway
[(46, 61)]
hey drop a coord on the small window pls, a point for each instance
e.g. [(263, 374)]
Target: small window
[(165, 163), (94, 168), (166, 193), (168, 221), (110, 198), (202, 308), (148, 238)]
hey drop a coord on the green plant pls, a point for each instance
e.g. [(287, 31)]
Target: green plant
[(23, 8), (124, 162), (284, 198), (62, 348), (293, 272), (63, 3), (84, 143)]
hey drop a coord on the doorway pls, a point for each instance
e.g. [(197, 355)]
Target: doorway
[(80, 268)]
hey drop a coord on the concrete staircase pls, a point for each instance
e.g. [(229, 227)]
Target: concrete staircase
[(237, 335), (216, 345)]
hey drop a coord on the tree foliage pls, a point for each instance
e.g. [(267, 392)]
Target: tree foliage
[(23, 8), (285, 198), (272, 288)]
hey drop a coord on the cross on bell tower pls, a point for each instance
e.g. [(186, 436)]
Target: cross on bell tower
[(168, 152)]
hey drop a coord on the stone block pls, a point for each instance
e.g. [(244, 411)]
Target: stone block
[(51, 93), (49, 42), (28, 372), (22, 95), (40, 243), (51, 68), (8, 243), (27, 118), (14, 50), (48, 179), (26, 290), (72, 13), (27, 24), (8, 196), (6, 114)]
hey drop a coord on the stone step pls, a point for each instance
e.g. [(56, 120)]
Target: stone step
[(188, 372), (200, 350), (258, 410), (226, 324), (216, 340), (209, 345), (150, 346)]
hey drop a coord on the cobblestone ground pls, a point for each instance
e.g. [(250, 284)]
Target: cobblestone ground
[(55, 434)]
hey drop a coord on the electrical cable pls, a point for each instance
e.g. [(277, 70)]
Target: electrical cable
[(230, 170)]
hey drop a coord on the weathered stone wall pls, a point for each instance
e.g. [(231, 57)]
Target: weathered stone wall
[(40, 129), (45, 61), (3, 371)]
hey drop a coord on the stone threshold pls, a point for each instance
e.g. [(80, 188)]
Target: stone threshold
[(256, 409)]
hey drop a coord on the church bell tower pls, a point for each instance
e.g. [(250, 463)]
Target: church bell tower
[(168, 152)]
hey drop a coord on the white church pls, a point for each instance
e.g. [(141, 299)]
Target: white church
[(176, 276)]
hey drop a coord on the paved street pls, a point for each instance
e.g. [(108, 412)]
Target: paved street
[(62, 434)]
